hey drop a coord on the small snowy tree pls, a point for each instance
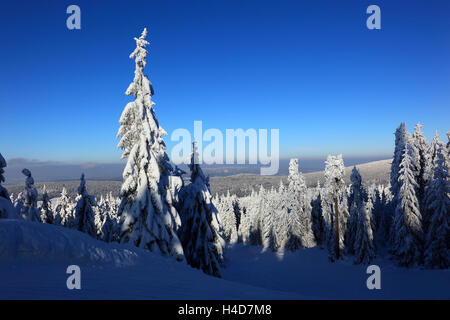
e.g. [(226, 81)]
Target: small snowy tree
[(27, 205), (3, 192), (84, 210), (64, 214), (149, 218), (6, 207), (46, 208), (200, 231), (407, 220), (437, 239)]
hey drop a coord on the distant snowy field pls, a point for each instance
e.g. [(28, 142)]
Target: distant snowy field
[(34, 258)]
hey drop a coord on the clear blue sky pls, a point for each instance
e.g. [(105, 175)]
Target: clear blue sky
[(310, 68)]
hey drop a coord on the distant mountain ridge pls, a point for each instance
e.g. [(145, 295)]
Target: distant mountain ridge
[(239, 184)]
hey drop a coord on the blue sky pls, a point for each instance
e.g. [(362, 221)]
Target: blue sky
[(310, 68)]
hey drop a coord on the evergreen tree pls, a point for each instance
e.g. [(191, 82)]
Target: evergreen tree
[(423, 162), (267, 210), (3, 192), (228, 219), (200, 230), (64, 212), (357, 206), (318, 223), (257, 217), (84, 210), (281, 218), (149, 218), (299, 207), (437, 240), (46, 208), (335, 205), (27, 205), (401, 136), (6, 207), (407, 220), (363, 247)]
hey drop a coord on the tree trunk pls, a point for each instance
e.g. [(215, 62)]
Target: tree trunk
[(336, 222)]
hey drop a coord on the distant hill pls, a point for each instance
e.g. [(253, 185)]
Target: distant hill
[(240, 184), (372, 172)]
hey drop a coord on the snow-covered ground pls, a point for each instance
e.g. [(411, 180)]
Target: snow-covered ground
[(309, 273), (34, 258)]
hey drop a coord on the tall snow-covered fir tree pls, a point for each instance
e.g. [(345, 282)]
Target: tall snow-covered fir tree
[(84, 210), (299, 205), (46, 208), (256, 211), (407, 225), (423, 162), (228, 218), (281, 220), (437, 238), (356, 203), (334, 205), (363, 245), (149, 218), (318, 223), (200, 231), (27, 204), (401, 135)]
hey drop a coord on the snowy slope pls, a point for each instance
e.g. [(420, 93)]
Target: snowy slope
[(308, 272), (34, 258)]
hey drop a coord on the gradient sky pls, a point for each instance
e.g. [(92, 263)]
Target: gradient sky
[(310, 68)]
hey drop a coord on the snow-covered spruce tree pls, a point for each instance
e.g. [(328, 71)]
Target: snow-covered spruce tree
[(318, 223), (3, 192), (147, 210), (402, 136), (200, 231), (245, 225), (423, 162), (299, 207), (28, 203), (84, 210), (363, 246), (268, 218), (408, 237), (437, 238), (335, 205), (280, 211), (228, 219), (257, 214), (433, 151), (46, 208), (64, 213), (356, 203), (6, 207)]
